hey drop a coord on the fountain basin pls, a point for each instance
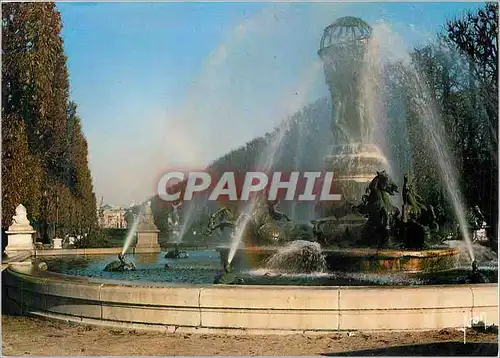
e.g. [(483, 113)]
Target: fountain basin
[(202, 266), (360, 260), (192, 308)]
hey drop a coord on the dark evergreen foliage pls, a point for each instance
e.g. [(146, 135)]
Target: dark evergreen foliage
[(44, 151)]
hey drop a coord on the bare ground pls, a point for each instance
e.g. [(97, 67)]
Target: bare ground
[(32, 336)]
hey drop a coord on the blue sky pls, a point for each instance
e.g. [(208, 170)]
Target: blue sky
[(163, 85)]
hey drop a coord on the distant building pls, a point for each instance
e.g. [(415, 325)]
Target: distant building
[(111, 217)]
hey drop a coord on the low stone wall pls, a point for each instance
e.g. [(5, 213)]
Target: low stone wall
[(246, 309)]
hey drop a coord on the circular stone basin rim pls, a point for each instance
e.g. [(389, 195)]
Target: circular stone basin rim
[(247, 309)]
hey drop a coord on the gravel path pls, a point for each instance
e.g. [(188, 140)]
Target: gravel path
[(31, 336)]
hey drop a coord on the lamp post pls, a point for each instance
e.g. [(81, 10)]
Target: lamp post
[(45, 221), (57, 214)]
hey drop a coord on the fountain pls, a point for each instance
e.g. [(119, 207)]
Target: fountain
[(365, 252), (143, 226), (175, 230), (375, 247), (355, 157), (120, 265), (132, 225), (174, 222), (298, 256), (364, 231), (134, 221)]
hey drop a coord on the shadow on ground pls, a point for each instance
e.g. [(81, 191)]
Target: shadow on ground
[(431, 349)]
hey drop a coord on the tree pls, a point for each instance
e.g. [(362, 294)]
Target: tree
[(22, 173), (475, 35), (457, 77), (35, 77), (79, 179), (44, 151)]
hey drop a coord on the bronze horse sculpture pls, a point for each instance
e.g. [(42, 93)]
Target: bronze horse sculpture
[(376, 205), (377, 208), (264, 224)]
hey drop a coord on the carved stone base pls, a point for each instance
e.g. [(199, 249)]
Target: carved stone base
[(354, 166), (147, 241), (19, 241)]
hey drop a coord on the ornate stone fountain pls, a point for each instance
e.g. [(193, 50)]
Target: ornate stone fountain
[(355, 158), (363, 232), (174, 222), (384, 242)]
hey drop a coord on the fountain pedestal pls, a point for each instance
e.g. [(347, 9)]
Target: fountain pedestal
[(354, 166), (147, 241), (147, 234)]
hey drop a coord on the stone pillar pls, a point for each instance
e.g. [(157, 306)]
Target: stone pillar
[(147, 233), (20, 233)]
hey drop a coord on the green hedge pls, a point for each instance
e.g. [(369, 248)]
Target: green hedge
[(113, 232)]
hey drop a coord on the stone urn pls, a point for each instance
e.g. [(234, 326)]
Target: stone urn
[(57, 243)]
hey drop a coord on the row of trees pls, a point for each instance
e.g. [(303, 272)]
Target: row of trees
[(460, 73), (44, 151)]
